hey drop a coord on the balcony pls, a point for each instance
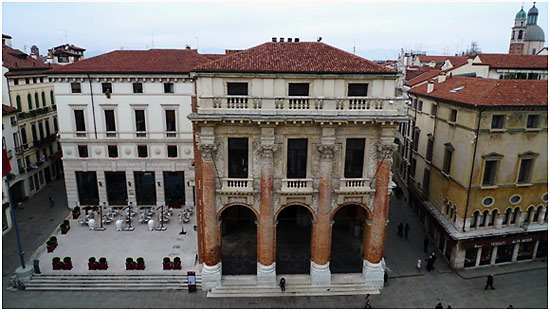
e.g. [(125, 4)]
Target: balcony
[(110, 134), (34, 113), (21, 149), (44, 141), (351, 185), (237, 185), (297, 185)]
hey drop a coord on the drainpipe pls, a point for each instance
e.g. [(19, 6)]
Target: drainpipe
[(93, 108), (472, 170)]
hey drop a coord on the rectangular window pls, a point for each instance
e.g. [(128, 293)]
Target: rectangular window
[(110, 121), (490, 173), (234, 88), (452, 116), (15, 81), (34, 80), (170, 120), (426, 182), (296, 158), (83, 151), (138, 87), (412, 168), (355, 152), (433, 111), (429, 148), (447, 161), (357, 89), (106, 87), (79, 119), (416, 138), (298, 89), (533, 121), (75, 87), (238, 157), (497, 122), (168, 87), (525, 171), (172, 151), (420, 104), (113, 151), (140, 120), (27, 81), (31, 183), (142, 151)]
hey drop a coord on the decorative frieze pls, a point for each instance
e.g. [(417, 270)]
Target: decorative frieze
[(327, 151), (207, 151), (266, 151)]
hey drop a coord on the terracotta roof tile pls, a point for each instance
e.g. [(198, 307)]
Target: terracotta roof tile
[(414, 71), (426, 75), (8, 109), (488, 92), (137, 61), (293, 57), (514, 61), (15, 60), (430, 58)]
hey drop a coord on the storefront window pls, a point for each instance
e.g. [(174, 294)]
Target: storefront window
[(116, 188), (145, 188), (87, 188), (174, 188), (526, 250), (504, 253), (486, 253), (470, 258), (542, 250)]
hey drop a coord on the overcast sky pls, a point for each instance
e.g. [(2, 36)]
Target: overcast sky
[(378, 30)]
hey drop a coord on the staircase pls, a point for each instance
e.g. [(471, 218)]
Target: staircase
[(296, 285), (80, 282)]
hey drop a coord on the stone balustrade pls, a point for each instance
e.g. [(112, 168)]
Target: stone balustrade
[(237, 185), (354, 184), (297, 185)]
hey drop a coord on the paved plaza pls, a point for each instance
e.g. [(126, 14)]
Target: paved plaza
[(523, 285)]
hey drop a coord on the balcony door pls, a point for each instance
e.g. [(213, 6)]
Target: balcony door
[(355, 153), (238, 157), (296, 158)]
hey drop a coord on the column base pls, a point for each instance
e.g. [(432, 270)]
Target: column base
[(266, 275), (211, 276), (320, 274), (24, 275), (373, 273)]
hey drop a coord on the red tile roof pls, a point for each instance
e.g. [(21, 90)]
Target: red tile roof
[(414, 71), (213, 56), (8, 109), (458, 60), (426, 75), (488, 92), (514, 61), (293, 57), (69, 46), (18, 62), (137, 61), (430, 58)]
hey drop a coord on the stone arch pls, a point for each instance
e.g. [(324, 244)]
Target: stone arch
[(367, 210), (219, 214), (313, 214)]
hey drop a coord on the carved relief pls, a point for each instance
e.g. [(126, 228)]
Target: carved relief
[(327, 151), (207, 151), (266, 151), (385, 152)]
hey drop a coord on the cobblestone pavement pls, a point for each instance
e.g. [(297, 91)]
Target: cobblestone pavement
[(523, 285)]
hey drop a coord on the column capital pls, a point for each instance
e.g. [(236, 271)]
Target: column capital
[(266, 151), (207, 151), (327, 150), (385, 151)]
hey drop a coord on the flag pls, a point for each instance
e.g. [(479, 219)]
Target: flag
[(6, 166)]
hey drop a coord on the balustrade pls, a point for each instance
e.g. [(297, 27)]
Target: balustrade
[(237, 185), (296, 185), (354, 184)]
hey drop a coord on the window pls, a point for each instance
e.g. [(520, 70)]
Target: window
[(41, 80), (234, 88), (490, 172), (63, 59), (47, 126), (298, 89), (27, 81), (172, 151), (18, 101), (474, 220), (238, 157), (106, 87), (430, 147), (483, 218), (52, 98), (420, 104), (513, 34), (43, 99), (355, 153), (138, 87), (145, 181), (113, 151), (416, 137), (33, 131), (533, 121), (296, 158), (79, 119), (33, 80), (75, 87), (507, 216), (412, 172), (520, 34), (142, 151), (115, 184), (538, 213), (170, 120), (55, 124), (529, 215), (23, 136), (426, 181), (452, 116), (29, 101), (31, 183), (168, 87), (83, 151), (15, 81), (36, 102), (433, 111), (87, 188), (174, 188), (497, 122), (357, 89), (515, 216), (110, 121), (448, 158), (140, 120), (525, 171)]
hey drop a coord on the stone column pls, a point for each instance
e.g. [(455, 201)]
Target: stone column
[(211, 266), (266, 256), (321, 237), (375, 231)]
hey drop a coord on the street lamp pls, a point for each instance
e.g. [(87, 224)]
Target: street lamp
[(101, 228), (129, 207), (162, 227)]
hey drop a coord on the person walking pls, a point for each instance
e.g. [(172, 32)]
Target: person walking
[(282, 284), (439, 305), (407, 231), (426, 242), (367, 302), (489, 282), (400, 230), (419, 265), (50, 198)]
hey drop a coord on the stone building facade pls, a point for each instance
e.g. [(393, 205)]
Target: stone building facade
[(275, 133)]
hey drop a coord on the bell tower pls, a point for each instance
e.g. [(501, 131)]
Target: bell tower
[(517, 41)]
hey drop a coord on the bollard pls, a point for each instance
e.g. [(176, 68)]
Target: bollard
[(36, 265)]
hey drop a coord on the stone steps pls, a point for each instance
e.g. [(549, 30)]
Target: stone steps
[(251, 290), (78, 282)]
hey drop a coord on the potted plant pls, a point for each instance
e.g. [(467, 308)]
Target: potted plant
[(67, 264), (76, 212), (177, 263), (50, 246), (130, 264), (92, 264), (64, 228), (67, 223), (140, 264), (54, 240), (103, 263), (56, 263), (166, 264)]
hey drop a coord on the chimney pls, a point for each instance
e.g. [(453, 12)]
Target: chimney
[(296, 39), (281, 39), (430, 87), (441, 78), (274, 39)]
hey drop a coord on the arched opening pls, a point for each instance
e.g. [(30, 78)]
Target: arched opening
[(18, 101), (52, 98), (43, 99), (238, 239), (29, 101), (293, 248), (346, 251)]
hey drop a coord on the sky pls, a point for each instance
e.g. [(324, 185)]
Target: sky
[(375, 30)]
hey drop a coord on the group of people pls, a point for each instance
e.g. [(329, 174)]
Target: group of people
[(400, 230), (431, 261)]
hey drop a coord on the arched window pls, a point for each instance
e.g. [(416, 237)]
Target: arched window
[(33, 131), (520, 34), (47, 126), (515, 217), (43, 99), (18, 101), (507, 216), (529, 215), (493, 217), (41, 130), (474, 220), (51, 98), (23, 136), (540, 210), (36, 102), (29, 101), (513, 34), (483, 218), (452, 213), (55, 124)]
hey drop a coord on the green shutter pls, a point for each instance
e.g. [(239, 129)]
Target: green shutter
[(18, 100), (43, 99), (29, 101), (51, 97), (36, 102)]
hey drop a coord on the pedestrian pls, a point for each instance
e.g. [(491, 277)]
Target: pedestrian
[(418, 265), (367, 302), (426, 242), (439, 305), (510, 307), (489, 282), (433, 258), (400, 230), (407, 231), (282, 284), (430, 264), (50, 198), (449, 307)]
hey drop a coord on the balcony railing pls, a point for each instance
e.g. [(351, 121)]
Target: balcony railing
[(354, 184), (110, 134), (44, 141), (297, 185), (34, 113), (237, 185), (302, 105), (21, 149)]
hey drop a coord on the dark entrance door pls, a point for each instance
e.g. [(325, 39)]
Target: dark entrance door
[(116, 188), (87, 188), (293, 240), (346, 252), (146, 193), (174, 189), (239, 235)]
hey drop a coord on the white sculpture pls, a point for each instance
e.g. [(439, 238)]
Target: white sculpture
[(91, 224), (151, 224), (118, 224)]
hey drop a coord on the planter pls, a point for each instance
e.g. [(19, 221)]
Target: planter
[(64, 230), (177, 266), (140, 266), (166, 266), (57, 266), (67, 266), (92, 266), (76, 215), (131, 266), (103, 266), (50, 248)]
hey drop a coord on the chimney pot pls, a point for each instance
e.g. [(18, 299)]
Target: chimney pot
[(441, 78), (296, 39), (274, 39), (281, 39), (430, 87)]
